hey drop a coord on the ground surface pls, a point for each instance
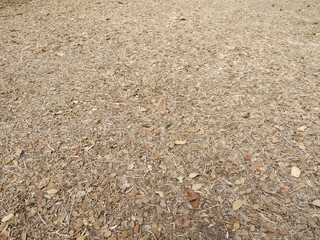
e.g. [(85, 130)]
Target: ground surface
[(159, 119)]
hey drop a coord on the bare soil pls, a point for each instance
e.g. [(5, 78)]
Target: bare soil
[(149, 119)]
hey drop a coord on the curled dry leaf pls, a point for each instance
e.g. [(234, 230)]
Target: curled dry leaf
[(196, 187), (316, 203), (7, 218), (52, 191), (193, 175), (256, 165), (240, 181), (237, 204), (302, 128), (295, 171), (180, 142), (186, 223), (160, 193)]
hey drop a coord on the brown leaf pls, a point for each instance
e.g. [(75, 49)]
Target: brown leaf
[(256, 165), (270, 227), (248, 157), (192, 195), (195, 203), (186, 223), (136, 229), (7, 218), (127, 142), (284, 232), (5, 234)]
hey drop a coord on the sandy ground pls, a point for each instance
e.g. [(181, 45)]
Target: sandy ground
[(159, 119)]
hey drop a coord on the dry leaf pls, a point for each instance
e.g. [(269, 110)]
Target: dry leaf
[(302, 128), (237, 204), (107, 234), (186, 223), (180, 142), (248, 157), (7, 218), (23, 236), (240, 181), (295, 171), (136, 229), (4, 234), (191, 129), (270, 227), (81, 238), (180, 179), (236, 225), (52, 191), (192, 195), (275, 139), (256, 165), (160, 193), (195, 203), (143, 109), (58, 112), (301, 145), (193, 175), (200, 132), (255, 206), (284, 232), (163, 167), (316, 203), (196, 186), (219, 199)]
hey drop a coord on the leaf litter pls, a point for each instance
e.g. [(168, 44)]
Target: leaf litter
[(189, 120)]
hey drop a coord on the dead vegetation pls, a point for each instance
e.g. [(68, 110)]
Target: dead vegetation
[(159, 119)]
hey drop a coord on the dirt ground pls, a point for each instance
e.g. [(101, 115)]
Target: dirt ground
[(149, 119)]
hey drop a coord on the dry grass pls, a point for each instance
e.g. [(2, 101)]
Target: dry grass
[(88, 90)]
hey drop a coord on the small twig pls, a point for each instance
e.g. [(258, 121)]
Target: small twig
[(41, 219)]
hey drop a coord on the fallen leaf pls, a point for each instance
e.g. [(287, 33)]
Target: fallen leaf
[(52, 191), (169, 125), (19, 152), (193, 175), (192, 195), (136, 229), (180, 179), (255, 206), (196, 186), (248, 157), (143, 109), (23, 236), (301, 145), (195, 203), (240, 181), (180, 142), (121, 2), (275, 139), (316, 203), (279, 127), (127, 142), (58, 112), (270, 227), (295, 171), (302, 128), (191, 129), (7, 218), (237, 204), (107, 234), (85, 222), (186, 223), (256, 165), (219, 199), (200, 132), (284, 232), (163, 167), (236, 225), (5, 234), (160, 193), (81, 238)]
